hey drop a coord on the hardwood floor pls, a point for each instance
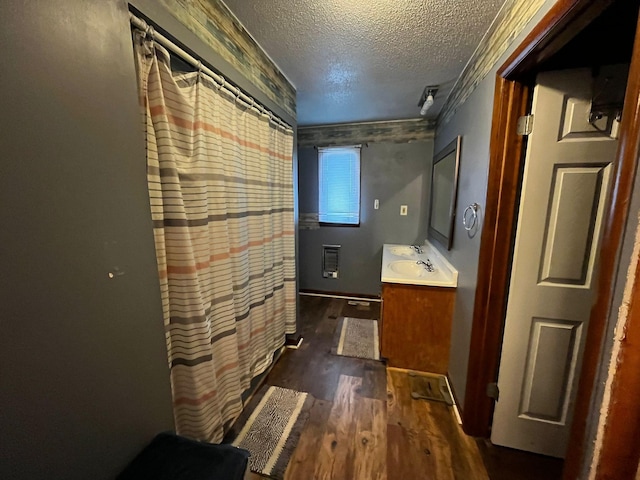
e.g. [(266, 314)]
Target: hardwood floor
[(508, 464), (424, 439), (364, 425)]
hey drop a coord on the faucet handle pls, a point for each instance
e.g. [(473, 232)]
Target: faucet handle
[(427, 265)]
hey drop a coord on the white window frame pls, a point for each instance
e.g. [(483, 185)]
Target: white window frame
[(324, 213)]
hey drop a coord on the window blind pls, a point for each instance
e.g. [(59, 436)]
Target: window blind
[(339, 185)]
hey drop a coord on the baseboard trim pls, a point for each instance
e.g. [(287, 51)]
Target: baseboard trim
[(344, 296), (293, 341), (456, 404)]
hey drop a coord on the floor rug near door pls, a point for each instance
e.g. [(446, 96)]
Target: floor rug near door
[(356, 337), (272, 431), (430, 386)]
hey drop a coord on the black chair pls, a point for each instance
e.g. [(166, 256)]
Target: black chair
[(172, 457)]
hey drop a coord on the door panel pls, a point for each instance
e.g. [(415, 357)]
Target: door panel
[(565, 185), (575, 124), (576, 194), (545, 396)]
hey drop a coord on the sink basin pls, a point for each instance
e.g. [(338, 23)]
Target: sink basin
[(403, 251), (400, 265), (408, 267)]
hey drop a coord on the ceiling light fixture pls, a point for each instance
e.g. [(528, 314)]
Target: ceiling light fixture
[(426, 100)]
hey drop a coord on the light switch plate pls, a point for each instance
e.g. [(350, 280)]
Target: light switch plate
[(403, 209), (376, 204)]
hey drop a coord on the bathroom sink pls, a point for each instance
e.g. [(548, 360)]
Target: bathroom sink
[(408, 267), (402, 264), (403, 251)]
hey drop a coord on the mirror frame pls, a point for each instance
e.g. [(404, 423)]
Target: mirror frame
[(453, 147)]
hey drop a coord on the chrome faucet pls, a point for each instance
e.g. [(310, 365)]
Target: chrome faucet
[(417, 248), (427, 265)]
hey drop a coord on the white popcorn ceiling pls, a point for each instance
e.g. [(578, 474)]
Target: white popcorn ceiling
[(367, 60)]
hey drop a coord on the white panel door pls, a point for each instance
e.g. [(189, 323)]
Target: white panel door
[(564, 191)]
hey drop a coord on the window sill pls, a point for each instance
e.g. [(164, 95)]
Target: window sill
[(330, 224)]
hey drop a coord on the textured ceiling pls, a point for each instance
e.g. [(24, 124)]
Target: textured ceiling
[(367, 60)]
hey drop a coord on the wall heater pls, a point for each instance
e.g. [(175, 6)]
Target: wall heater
[(330, 261)]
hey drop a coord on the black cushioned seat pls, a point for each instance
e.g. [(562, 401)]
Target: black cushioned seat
[(170, 456)]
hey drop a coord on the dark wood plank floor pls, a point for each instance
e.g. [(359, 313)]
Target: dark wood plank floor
[(509, 464), (364, 425)]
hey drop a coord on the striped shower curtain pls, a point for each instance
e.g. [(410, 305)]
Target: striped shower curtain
[(221, 191)]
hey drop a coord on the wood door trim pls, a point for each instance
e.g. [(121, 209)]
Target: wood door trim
[(619, 442), (563, 21), (620, 452), (505, 167)]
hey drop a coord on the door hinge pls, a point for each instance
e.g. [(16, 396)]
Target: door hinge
[(493, 391), (525, 124)]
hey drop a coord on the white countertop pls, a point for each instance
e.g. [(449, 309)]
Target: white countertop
[(400, 265)]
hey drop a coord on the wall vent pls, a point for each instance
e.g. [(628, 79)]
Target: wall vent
[(330, 261)]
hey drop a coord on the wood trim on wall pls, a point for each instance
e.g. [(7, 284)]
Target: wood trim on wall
[(513, 18), (395, 131), (216, 25), (505, 166), (619, 442)]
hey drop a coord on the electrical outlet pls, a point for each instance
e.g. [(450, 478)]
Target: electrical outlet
[(403, 209), (376, 204)]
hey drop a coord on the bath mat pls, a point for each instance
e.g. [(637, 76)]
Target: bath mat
[(356, 337), (272, 431), (430, 386)]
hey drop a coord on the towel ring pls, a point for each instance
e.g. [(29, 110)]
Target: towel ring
[(472, 219)]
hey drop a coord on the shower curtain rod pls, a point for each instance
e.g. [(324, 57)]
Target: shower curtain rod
[(219, 79)]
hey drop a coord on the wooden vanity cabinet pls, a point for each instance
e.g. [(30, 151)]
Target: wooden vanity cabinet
[(416, 326)]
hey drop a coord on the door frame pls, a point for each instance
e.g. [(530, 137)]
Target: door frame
[(506, 159)]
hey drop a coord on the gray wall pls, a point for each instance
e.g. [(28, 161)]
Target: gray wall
[(472, 120), (472, 188), (85, 382), (396, 174)]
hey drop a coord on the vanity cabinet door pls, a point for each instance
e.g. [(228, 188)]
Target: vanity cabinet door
[(416, 328)]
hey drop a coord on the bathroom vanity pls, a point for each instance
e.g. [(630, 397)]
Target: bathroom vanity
[(418, 293)]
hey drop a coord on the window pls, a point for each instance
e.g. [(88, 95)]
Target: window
[(339, 182)]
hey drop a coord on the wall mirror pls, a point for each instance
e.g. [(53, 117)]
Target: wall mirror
[(444, 189)]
